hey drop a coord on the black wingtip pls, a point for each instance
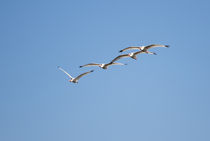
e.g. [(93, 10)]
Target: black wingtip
[(92, 71), (80, 66), (155, 53), (167, 45), (121, 51)]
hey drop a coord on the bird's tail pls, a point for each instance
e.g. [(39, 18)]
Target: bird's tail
[(134, 57)]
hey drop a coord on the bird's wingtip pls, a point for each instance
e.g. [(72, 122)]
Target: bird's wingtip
[(121, 51), (80, 66), (167, 45), (92, 71)]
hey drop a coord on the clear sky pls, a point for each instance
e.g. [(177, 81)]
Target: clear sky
[(162, 97)]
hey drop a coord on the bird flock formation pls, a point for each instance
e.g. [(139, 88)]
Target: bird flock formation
[(133, 55)]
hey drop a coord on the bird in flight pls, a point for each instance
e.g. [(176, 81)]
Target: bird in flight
[(103, 66), (131, 55), (145, 48), (74, 80)]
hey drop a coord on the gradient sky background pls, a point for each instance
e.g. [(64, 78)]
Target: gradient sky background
[(157, 98)]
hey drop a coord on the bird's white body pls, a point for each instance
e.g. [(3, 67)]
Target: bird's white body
[(103, 66), (73, 80), (132, 55)]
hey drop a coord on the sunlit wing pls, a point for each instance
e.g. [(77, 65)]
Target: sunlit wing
[(118, 63), (90, 64), (65, 72), (138, 52), (109, 64), (129, 48), (155, 45), (78, 77), (119, 57)]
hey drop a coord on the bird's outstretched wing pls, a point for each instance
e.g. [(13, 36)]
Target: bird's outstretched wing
[(65, 72), (120, 56), (90, 64), (115, 64), (128, 48), (138, 52), (78, 77), (155, 45)]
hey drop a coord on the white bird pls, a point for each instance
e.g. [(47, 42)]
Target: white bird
[(103, 66), (74, 80), (131, 55), (145, 48)]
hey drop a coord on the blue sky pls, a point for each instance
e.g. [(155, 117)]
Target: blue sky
[(163, 97)]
